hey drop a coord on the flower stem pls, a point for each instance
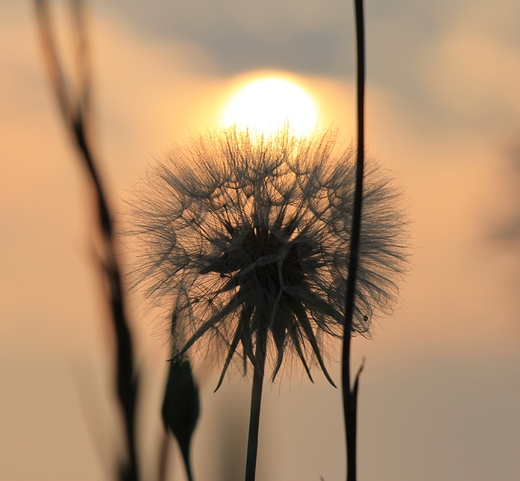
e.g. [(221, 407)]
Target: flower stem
[(254, 416)]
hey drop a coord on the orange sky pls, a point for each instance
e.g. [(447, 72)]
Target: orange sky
[(440, 394)]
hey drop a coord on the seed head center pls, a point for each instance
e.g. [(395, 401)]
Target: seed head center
[(275, 263)]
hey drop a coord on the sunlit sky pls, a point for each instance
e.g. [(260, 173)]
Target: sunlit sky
[(440, 393)]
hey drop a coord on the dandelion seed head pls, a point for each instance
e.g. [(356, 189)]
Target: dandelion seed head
[(247, 241)]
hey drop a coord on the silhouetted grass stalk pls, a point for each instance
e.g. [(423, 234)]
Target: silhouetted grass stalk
[(350, 394), (75, 110)]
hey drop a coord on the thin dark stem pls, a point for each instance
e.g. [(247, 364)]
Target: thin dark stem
[(188, 468), (350, 395), (76, 114), (185, 451), (254, 417)]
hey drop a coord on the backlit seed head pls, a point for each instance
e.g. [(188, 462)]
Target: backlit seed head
[(247, 240)]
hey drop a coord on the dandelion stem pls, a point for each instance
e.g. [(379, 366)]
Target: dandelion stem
[(350, 394), (256, 400)]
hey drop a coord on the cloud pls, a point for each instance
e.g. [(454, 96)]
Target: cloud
[(471, 68)]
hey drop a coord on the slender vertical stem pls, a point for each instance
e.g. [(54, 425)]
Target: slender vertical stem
[(185, 450), (350, 395), (256, 400)]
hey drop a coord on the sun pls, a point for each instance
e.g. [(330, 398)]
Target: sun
[(271, 103)]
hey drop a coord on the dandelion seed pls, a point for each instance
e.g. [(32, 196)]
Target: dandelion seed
[(247, 241)]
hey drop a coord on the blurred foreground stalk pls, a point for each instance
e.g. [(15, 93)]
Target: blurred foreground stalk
[(74, 105)]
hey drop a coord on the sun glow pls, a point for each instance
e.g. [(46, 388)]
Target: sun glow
[(269, 104)]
